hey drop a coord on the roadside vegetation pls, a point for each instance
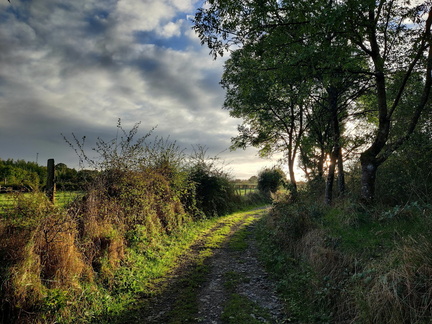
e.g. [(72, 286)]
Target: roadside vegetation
[(351, 262), (92, 258), (340, 89)]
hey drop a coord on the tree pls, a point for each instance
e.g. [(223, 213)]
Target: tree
[(270, 180), (387, 35), (271, 105), (395, 38), (270, 79)]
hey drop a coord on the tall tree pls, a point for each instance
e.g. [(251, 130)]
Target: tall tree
[(395, 37), (388, 34), (272, 107)]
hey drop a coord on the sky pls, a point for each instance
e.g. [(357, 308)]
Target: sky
[(76, 67)]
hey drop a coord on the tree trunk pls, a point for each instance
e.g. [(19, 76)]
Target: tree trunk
[(341, 174), (369, 167), (321, 162), (335, 155), (330, 179), (292, 178)]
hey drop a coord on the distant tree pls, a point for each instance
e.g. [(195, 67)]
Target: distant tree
[(270, 180), (67, 178), (253, 179), (22, 174)]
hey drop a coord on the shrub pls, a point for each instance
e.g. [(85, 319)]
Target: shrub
[(270, 180), (215, 192)]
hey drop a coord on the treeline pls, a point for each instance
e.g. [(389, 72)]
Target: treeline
[(20, 175), (342, 90), (336, 87)]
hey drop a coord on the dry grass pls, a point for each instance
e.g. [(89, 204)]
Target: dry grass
[(38, 256), (362, 266), (403, 294)]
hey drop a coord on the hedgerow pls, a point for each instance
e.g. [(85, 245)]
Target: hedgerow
[(75, 264)]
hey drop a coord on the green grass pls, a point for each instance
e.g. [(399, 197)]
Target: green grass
[(369, 263), (62, 198), (6, 199), (294, 278), (240, 310), (238, 240), (243, 192), (369, 235)]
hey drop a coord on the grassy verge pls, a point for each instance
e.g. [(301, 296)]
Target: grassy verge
[(93, 262), (351, 264)]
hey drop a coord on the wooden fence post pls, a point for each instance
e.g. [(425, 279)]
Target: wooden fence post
[(51, 187)]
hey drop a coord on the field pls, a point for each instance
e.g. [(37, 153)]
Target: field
[(242, 189), (62, 198)]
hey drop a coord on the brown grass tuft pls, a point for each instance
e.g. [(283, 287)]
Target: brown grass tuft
[(403, 294)]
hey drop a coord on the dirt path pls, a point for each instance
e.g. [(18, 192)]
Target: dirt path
[(219, 280), (236, 276)]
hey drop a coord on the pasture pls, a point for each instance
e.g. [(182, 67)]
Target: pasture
[(62, 198)]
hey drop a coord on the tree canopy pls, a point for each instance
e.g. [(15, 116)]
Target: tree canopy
[(358, 59)]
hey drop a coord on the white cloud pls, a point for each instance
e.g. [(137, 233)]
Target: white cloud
[(171, 29), (138, 15)]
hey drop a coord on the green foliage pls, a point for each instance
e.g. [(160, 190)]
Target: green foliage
[(21, 175), (407, 176), (270, 180), (298, 70), (215, 192), (25, 176)]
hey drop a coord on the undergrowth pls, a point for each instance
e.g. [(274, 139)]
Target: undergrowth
[(349, 263)]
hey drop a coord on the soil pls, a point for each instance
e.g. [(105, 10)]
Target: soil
[(214, 291)]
